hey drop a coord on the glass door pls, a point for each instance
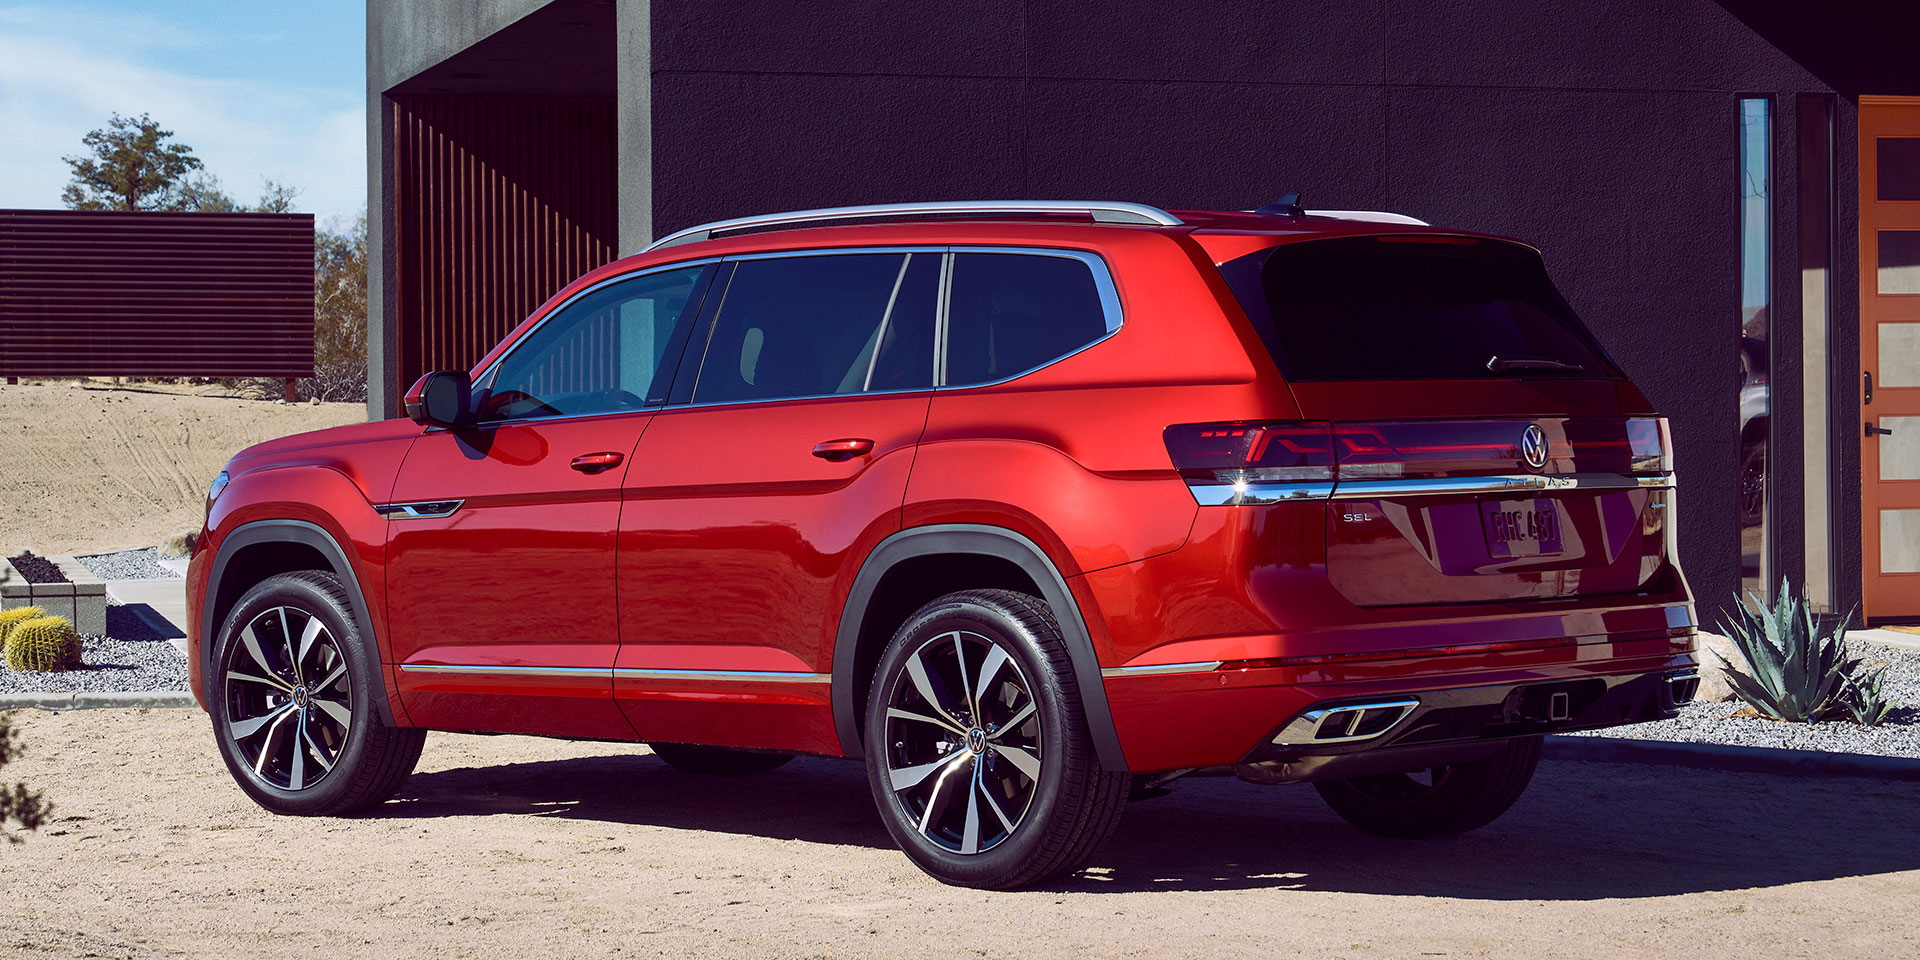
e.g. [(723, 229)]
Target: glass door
[(1890, 356)]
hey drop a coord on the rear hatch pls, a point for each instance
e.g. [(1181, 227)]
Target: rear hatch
[(1482, 447)]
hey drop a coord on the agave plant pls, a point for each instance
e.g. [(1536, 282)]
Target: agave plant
[(1794, 671), (1864, 697)]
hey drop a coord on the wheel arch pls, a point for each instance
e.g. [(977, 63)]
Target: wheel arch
[(990, 556), (262, 549)]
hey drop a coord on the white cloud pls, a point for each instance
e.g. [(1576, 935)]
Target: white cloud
[(54, 88)]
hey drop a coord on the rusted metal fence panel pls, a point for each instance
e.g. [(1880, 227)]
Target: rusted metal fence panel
[(498, 202), (97, 293)]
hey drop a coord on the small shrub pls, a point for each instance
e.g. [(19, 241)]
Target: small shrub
[(12, 618), (1795, 672), (18, 805), (43, 645)]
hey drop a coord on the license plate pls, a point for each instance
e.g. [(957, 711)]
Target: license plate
[(1521, 528)]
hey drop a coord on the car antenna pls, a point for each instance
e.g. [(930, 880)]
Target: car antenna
[(1286, 206)]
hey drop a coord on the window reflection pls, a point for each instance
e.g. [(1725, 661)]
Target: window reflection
[(1756, 295)]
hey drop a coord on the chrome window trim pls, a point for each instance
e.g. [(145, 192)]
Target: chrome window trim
[(484, 377), (1161, 669), (1102, 211), (1237, 494), (419, 509), (1103, 284)]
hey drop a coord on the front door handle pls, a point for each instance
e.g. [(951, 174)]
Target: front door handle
[(1873, 431), (596, 462), (838, 450)]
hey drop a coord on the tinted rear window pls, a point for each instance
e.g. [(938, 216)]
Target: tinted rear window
[(1373, 309), (1012, 312)]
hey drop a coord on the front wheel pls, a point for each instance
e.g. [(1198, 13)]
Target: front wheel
[(1443, 800), (977, 747), (293, 706)]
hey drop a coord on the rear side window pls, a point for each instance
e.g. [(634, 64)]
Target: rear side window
[(1011, 312), (1401, 309), (821, 325)]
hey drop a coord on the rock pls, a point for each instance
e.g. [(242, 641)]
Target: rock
[(1714, 652), (314, 402), (178, 545)]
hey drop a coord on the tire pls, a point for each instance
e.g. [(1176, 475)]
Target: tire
[(298, 743), (1026, 745), (717, 761), (1459, 798)]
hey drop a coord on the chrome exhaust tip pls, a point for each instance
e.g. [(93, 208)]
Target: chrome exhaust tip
[(1346, 723)]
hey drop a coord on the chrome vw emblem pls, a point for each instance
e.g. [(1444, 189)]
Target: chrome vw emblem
[(1533, 446), (977, 740)]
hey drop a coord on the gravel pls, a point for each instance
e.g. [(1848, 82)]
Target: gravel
[(37, 569), (109, 665), (140, 564), (1899, 736)]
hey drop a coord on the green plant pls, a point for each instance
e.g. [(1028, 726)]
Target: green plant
[(1795, 671), (18, 805), (44, 644), (12, 618), (1864, 697)]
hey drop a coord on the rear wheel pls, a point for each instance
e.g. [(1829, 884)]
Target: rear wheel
[(1439, 801), (717, 761), (293, 701), (977, 747)]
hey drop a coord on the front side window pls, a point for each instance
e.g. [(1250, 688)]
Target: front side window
[(612, 349), (1010, 313), (814, 326)]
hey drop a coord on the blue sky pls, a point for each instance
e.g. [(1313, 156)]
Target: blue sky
[(261, 89)]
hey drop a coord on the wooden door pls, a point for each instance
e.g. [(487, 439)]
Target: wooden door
[(1890, 355)]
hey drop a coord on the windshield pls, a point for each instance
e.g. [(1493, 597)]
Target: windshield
[(1412, 308)]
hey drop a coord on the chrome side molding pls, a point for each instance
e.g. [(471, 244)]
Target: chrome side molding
[(418, 509), (1102, 211), (1346, 723), (1160, 669)]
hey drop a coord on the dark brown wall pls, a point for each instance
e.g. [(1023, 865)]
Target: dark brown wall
[(496, 203), (89, 293)]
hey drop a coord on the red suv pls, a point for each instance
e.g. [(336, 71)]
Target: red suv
[(1032, 506)]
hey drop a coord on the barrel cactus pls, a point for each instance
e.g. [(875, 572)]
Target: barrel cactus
[(12, 618), (43, 644)]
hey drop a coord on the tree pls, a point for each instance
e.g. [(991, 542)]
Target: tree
[(340, 313), (18, 805), (132, 167), (203, 193)]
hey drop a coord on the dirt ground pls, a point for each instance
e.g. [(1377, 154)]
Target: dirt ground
[(94, 468), (526, 848)]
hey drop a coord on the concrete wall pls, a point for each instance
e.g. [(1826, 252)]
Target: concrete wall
[(1602, 132)]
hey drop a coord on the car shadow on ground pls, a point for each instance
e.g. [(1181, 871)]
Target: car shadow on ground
[(1584, 831)]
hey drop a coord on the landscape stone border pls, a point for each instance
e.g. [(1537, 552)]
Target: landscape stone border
[(1732, 759), (121, 699), (82, 600)]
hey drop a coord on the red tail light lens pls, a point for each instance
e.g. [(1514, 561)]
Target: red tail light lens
[(1249, 453)]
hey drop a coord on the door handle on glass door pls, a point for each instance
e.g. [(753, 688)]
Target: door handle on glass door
[(1873, 431), (596, 462), (838, 450)]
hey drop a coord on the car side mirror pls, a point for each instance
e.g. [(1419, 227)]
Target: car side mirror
[(443, 398)]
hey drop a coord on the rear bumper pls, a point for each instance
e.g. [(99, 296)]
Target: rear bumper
[(1218, 715)]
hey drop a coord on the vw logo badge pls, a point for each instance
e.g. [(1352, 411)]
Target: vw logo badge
[(1533, 446)]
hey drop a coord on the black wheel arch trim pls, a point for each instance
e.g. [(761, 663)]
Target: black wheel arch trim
[(306, 534), (968, 538)]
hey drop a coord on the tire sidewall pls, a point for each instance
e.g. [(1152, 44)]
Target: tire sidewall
[(305, 592), (1045, 681)]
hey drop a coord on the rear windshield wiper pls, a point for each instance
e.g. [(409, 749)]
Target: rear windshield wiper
[(1503, 364)]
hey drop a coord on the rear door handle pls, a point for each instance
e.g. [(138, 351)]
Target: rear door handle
[(838, 450), (596, 462)]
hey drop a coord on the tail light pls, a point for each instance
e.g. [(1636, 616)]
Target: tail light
[(1232, 463), (1241, 462)]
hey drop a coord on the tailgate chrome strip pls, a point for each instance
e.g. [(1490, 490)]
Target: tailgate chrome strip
[(1456, 486)]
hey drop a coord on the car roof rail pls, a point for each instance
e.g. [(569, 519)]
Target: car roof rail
[(1102, 211), (1373, 216)]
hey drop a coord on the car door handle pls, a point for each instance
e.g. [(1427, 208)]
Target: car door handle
[(838, 450), (596, 462), (1873, 431)]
